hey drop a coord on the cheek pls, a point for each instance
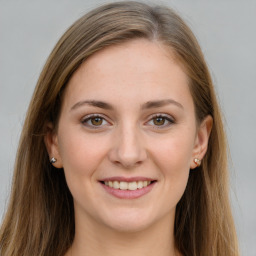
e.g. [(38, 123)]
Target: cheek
[(173, 156), (174, 153), (81, 153)]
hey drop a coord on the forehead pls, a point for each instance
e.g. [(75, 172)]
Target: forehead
[(138, 70)]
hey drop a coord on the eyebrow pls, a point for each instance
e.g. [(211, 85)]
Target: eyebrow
[(147, 105), (160, 103)]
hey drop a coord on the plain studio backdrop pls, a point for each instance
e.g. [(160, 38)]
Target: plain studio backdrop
[(226, 30)]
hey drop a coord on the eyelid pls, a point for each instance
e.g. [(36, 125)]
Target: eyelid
[(167, 117), (90, 116)]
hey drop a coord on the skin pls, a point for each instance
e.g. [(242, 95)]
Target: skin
[(128, 142)]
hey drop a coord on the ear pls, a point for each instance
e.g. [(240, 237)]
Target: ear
[(201, 140), (52, 146)]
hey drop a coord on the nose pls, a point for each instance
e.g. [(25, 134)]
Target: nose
[(128, 149)]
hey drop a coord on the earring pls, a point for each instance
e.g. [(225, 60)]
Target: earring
[(197, 162), (53, 160)]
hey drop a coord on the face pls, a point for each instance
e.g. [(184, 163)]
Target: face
[(127, 136)]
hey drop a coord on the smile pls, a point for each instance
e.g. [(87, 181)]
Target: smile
[(128, 188), (123, 185)]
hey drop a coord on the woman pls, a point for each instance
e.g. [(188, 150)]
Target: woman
[(123, 149)]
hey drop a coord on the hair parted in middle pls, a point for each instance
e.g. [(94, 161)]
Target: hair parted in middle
[(40, 217)]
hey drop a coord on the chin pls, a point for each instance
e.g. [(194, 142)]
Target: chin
[(129, 226), (130, 220)]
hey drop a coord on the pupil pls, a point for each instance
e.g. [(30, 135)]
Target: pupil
[(159, 121), (97, 121)]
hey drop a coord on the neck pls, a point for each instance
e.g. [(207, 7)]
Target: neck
[(94, 239)]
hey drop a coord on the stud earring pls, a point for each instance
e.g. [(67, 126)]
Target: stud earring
[(53, 160), (197, 162)]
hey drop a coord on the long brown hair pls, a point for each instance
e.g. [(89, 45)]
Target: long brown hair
[(40, 217)]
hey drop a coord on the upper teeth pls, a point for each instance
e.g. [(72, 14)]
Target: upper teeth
[(127, 185)]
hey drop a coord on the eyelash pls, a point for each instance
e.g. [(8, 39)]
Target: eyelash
[(152, 117), (167, 118)]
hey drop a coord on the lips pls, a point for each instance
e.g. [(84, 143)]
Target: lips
[(128, 188)]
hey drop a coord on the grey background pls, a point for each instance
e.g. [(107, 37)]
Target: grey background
[(226, 31)]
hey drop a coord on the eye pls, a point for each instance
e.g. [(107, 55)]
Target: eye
[(94, 121), (161, 121)]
